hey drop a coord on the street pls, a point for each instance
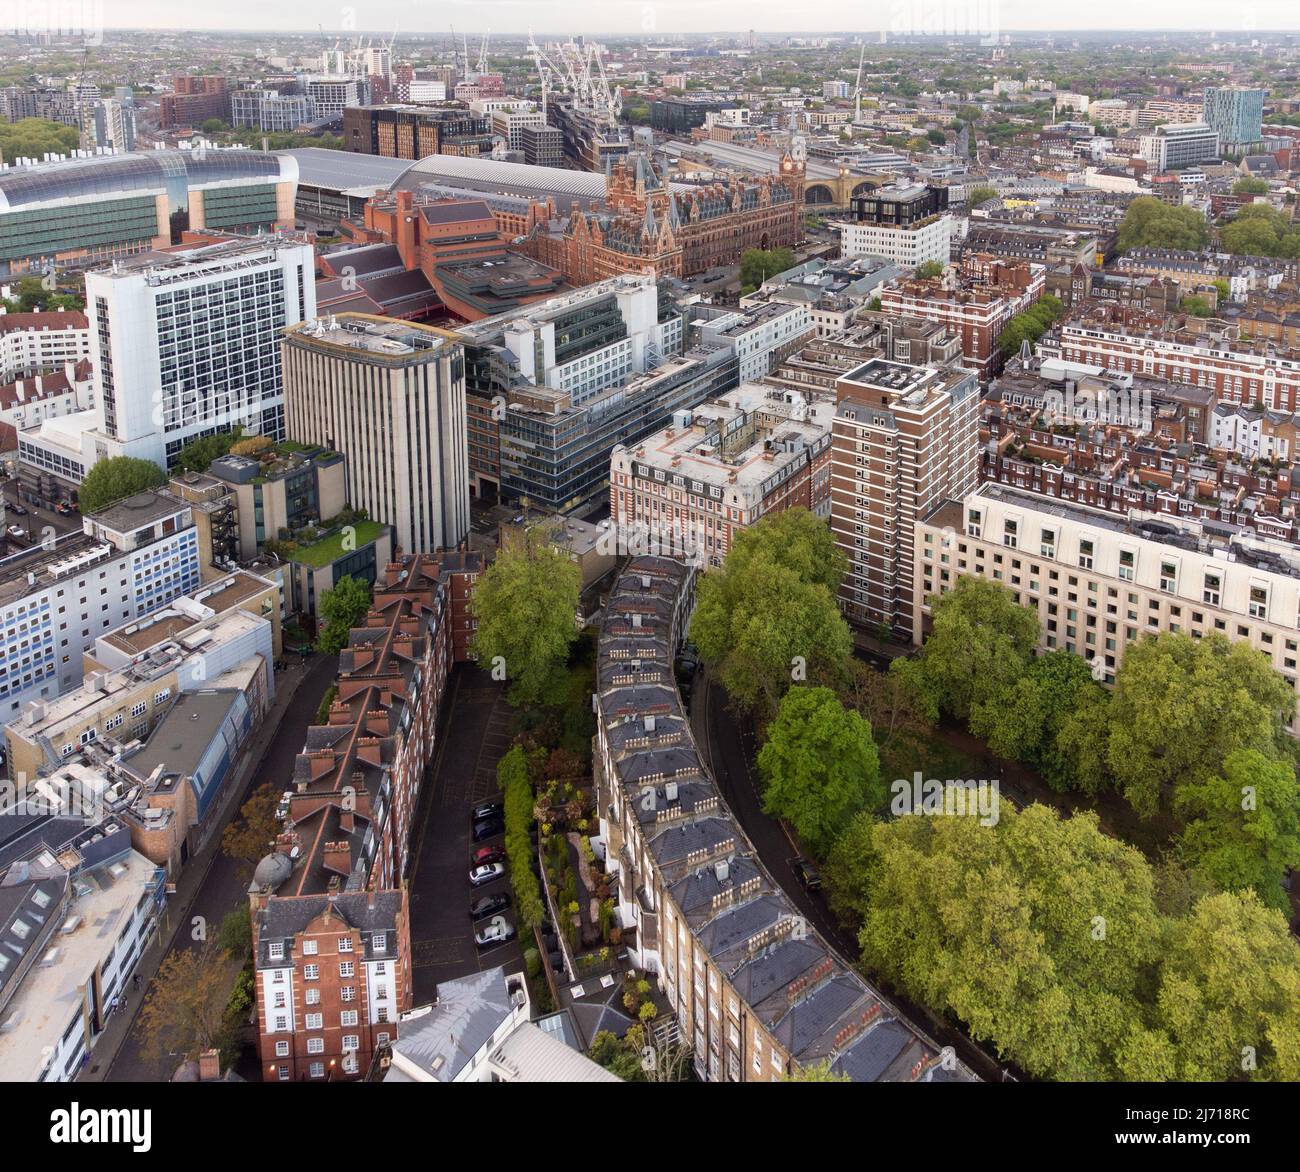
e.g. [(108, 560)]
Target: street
[(222, 885), (474, 734)]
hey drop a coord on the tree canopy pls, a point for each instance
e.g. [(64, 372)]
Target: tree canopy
[(526, 604), (767, 617), (341, 608), (1151, 223), (116, 478), (819, 766)]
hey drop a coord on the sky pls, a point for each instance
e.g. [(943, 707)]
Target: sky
[(666, 17)]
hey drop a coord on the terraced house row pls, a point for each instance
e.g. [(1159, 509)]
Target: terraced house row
[(756, 992), (331, 932)]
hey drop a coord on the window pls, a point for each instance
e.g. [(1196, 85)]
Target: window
[(351, 1042), (282, 1073), (1258, 602), (1047, 545), (345, 943), (282, 1050), (1009, 535), (309, 947), (311, 972), (348, 993), (316, 1069), (973, 522), (346, 968), (348, 1017), (1168, 577), (1213, 586), (275, 950), (379, 942), (1126, 564), (1085, 554), (313, 996), (315, 1021), (315, 1045)]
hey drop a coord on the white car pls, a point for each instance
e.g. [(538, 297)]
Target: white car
[(486, 873), (497, 932)]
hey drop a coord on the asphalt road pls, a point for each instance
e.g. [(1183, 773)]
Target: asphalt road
[(36, 518), (473, 735), (224, 886), (729, 747)]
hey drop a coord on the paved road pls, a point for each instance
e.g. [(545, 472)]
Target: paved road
[(36, 518), (224, 886), (473, 736), (729, 748)]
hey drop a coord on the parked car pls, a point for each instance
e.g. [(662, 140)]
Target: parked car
[(65, 508), (489, 905), (487, 810), (496, 933), (488, 828), (21, 510), (486, 873), (489, 854), (807, 874), (17, 533)]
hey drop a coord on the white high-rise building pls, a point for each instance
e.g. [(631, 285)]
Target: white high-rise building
[(187, 344)]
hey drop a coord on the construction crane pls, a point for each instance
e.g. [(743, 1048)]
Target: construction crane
[(857, 88), (483, 53)]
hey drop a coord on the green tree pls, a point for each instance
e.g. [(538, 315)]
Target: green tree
[(526, 604), (981, 193), (980, 644), (213, 126), (757, 264), (1037, 932), (341, 608), (1228, 998), (1180, 705), (1244, 825), (1151, 223), (1196, 305), (847, 871), (1249, 185), (235, 936), (33, 138), (929, 269), (115, 479), (251, 835), (819, 766), (1025, 721), (767, 617), (197, 455)]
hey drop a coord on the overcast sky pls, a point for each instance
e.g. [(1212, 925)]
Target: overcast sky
[(680, 16)]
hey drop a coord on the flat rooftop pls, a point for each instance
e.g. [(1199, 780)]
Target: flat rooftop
[(383, 337), (180, 740), (171, 622), (51, 995), (137, 511)]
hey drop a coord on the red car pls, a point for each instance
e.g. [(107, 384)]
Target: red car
[(488, 854)]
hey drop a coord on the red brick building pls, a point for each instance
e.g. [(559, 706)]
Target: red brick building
[(331, 932)]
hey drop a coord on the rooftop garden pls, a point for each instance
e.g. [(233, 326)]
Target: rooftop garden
[(329, 545)]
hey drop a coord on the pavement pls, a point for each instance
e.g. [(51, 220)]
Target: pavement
[(36, 518), (212, 884), (474, 734), (729, 746)]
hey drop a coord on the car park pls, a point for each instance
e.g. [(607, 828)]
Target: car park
[(486, 810), (497, 932), (489, 854), (487, 873), (488, 828), (489, 905)]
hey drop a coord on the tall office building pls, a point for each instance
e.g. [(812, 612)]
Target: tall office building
[(1237, 113), (389, 395), (905, 438), (187, 343)]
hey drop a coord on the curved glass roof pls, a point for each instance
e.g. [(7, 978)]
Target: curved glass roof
[(106, 175)]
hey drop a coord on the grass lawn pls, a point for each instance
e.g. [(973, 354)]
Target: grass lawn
[(330, 549)]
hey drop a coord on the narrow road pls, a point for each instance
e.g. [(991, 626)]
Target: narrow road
[(224, 884)]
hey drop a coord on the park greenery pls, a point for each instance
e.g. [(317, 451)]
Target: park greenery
[(758, 264), (1030, 324), (929, 269), (526, 604), (1260, 230), (117, 478), (1152, 223), (42, 294), (33, 138), (1133, 926)]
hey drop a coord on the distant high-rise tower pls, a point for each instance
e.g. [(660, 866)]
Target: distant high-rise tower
[(1236, 113)]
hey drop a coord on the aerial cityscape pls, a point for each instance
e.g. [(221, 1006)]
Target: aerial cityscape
[(658, 555)]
